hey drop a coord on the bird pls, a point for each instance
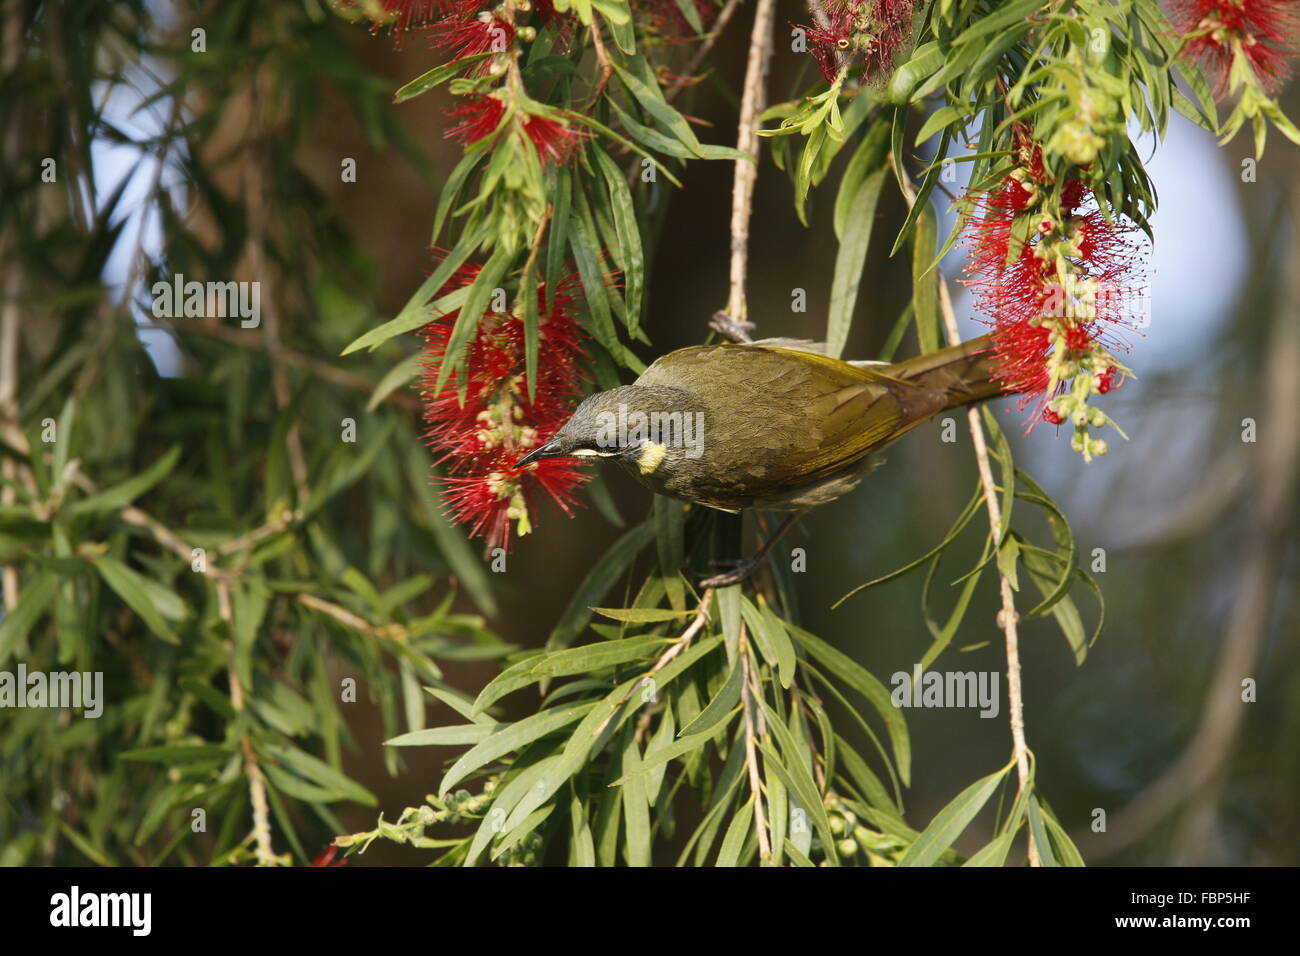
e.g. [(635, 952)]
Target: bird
[(771, 425)]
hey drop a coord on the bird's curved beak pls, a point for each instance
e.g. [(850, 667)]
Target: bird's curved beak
[(550, 450)]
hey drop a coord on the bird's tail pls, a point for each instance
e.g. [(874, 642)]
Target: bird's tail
[(962, 374)]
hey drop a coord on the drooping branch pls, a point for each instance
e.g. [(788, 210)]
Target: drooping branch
[(1008, 619)]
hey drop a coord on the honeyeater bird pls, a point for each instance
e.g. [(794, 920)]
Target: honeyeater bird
[(773, 425)]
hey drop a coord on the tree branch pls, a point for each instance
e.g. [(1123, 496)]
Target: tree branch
[(734, 321)]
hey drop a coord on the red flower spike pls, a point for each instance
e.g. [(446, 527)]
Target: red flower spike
[(480, 440), (554, 141), (1035, 323), (478, 116), (873, 31), (1264, 29), (466, 31)]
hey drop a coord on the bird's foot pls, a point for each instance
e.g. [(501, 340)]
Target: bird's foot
[(740, 571), (732, 328)]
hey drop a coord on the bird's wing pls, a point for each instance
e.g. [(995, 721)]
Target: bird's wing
[(798, 415)]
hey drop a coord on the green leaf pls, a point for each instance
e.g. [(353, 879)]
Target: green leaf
[(32, 601), (320, 773), (797, 778), (471, 313), (963, 519), (1067, 853), (418, 311), (925, 287), (119, 496), (459, 734), (951, 821), (772, 640), (857, 677), (436, 76), (871, 154), (926, 60), (734, 840), (651, 99), (395, 378), (1041, 840), (994, 853), (129, 586), (641, 615), (720, 708), (574, 660), (636, 807), (510, 738), (849, 261), (629, 237)]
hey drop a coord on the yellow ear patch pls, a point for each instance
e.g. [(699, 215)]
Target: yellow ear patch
[(652, 456)]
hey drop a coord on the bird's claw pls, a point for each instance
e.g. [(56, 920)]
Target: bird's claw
[(740, 570), (732, 328)]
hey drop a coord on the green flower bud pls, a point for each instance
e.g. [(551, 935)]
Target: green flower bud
[(847, 847)]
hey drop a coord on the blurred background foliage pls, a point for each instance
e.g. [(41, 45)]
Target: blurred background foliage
[(327, 559)]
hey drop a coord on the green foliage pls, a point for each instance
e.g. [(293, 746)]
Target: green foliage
[(214, 544), (231, 560)]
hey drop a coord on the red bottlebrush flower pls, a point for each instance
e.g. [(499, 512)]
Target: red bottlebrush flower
[(873, 31), (1054, 305), (466, 31), (1263, 30), (480, 440), (478, 116), (554, 141), (830, 41), (1106, 381), (1051, 417)]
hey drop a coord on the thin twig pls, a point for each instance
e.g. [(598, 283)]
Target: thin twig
[(688, 74), (1008, 619), (734, 323), (748, 699), (602, 60), (346, 617), (261, 834), (679, 645)]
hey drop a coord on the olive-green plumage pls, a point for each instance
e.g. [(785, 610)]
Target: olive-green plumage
[(784, 427)]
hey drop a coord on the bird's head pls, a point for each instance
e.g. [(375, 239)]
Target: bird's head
[(638, 426)]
